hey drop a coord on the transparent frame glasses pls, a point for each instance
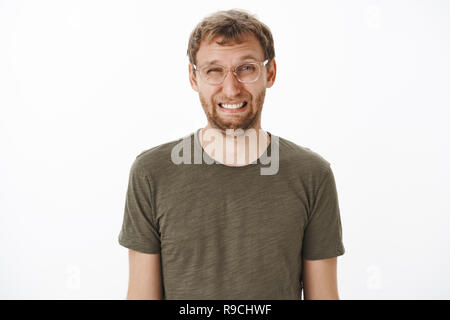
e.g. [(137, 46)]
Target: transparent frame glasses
[(228, 69)]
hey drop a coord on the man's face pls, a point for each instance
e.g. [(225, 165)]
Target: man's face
[(231, 91)]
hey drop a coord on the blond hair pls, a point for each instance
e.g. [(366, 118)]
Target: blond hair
[(233, 25)]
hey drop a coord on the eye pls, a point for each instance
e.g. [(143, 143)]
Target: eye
[(212, 70), (247, 67)]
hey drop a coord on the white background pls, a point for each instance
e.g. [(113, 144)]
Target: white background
[(85, 86)]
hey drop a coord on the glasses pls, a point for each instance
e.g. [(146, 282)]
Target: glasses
[(247, 72)]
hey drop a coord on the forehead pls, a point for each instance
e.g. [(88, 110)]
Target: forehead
[(248, 49)]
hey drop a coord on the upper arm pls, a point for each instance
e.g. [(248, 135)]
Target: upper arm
[(145, 276), (320, 279)]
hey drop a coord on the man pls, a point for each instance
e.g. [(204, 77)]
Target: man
[(223, 229)]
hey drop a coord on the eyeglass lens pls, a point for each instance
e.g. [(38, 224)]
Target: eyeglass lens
[(247, 72)]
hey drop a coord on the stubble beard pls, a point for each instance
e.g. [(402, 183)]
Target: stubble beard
[(249, 121)]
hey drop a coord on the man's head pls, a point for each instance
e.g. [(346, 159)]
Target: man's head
[(231, 38)]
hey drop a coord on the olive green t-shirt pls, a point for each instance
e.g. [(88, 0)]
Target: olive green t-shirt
[(227, 232)]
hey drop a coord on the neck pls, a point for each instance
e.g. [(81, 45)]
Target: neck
[(234, 147)]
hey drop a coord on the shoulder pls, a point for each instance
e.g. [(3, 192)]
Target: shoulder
[(157, 158), (302, 160)]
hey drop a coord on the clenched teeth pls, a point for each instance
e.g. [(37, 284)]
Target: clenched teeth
[(232, 106)]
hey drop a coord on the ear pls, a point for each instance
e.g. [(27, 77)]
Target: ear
[(271, 74), (192, 78)]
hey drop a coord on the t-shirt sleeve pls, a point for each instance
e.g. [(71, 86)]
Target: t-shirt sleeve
[(322, 238), (140, 230)]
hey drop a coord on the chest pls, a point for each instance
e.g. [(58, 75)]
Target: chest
[(232, 214)]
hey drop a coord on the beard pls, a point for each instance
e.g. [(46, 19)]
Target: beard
[(243, 121)]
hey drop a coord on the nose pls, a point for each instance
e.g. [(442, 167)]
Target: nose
[(231, 87)]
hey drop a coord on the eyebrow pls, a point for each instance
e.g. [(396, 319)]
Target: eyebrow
[(245, 57)]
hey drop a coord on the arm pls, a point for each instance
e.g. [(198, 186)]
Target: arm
[(145, 276), (320, 279)]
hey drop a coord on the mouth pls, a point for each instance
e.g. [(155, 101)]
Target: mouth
[(233, 107)]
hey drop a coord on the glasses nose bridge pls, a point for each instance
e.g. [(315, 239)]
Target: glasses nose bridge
[(231, 70)]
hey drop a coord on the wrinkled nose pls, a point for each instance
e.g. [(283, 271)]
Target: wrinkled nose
[(231, 87)]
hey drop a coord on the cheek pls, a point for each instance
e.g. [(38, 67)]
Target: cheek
[(208, 97)]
